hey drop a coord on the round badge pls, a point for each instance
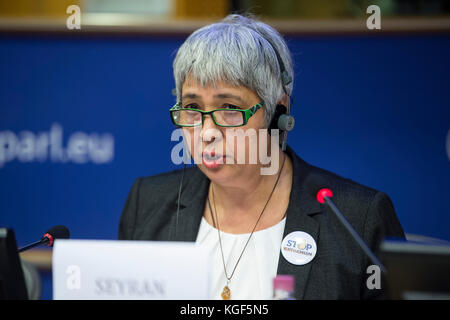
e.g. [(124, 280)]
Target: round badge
[(298, 248)]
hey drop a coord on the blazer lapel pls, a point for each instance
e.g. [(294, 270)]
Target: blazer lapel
[(302, 206), (193, 198)]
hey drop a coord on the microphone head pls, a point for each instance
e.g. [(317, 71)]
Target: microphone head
[(317, 187), (56, 232)]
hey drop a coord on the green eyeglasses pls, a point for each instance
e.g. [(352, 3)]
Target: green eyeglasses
[(190, 117)]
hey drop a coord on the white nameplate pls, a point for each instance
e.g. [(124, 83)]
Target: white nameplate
[(107, 269)]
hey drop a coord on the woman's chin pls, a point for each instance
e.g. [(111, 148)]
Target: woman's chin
[(217, 172)]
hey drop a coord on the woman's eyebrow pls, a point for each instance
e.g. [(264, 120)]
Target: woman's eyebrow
[(228, 96), (190, 96), (217, 96)]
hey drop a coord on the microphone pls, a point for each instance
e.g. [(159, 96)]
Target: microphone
[(57, 232), (318, 188)]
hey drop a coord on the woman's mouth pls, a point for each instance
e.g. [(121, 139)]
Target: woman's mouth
[(212, 160)]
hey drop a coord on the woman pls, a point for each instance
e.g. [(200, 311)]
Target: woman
[(232, 78)]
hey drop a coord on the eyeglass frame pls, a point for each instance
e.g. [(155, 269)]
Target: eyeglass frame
[(246, 114)]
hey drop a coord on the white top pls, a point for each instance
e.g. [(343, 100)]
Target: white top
[(257, 268)]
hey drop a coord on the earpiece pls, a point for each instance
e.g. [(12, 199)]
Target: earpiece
[(283, 121)]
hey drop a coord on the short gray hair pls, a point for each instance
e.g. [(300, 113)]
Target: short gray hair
[(238, 50)]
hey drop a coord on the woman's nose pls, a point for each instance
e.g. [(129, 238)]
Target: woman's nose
[(209, 132)]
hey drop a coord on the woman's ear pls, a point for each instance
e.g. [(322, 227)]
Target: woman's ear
[(284, 100)]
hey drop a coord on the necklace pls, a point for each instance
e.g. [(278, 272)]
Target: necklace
[(226, 292)]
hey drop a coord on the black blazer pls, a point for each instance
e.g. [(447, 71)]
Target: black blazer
[(338, 270)]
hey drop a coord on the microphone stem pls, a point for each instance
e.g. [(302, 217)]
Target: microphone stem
[(355, 235), (32, 245)]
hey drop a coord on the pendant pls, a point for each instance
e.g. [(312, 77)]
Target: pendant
[(226, 293)]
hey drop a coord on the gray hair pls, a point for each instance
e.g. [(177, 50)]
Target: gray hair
[(238, 50)]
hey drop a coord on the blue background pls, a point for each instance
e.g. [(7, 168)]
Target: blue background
[(375, 109)]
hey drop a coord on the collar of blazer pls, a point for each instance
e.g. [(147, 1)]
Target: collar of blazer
[(302, 206)]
